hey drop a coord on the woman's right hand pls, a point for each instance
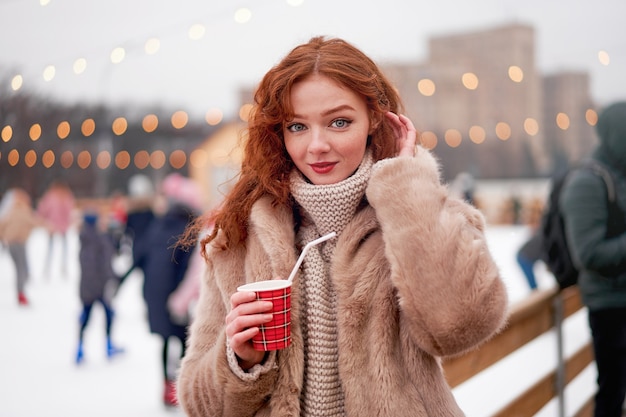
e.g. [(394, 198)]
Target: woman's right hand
[(242, 323)]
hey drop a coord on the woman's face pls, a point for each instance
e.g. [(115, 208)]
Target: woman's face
[(327, 137)]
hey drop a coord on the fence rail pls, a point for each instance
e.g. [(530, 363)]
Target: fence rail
[(542, 311)]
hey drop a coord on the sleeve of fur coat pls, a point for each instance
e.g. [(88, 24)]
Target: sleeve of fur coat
[(206, 384), (450, 292)]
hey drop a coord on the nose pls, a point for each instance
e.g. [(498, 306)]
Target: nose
[(319, 141)]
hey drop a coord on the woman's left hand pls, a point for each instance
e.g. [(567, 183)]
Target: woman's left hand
[(406, 136)]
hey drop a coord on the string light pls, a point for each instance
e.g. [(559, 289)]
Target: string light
[(503, 131), (214, 116), (197, 158)]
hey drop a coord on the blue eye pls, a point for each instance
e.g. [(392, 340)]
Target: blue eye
[(340, 123), (295, 127)]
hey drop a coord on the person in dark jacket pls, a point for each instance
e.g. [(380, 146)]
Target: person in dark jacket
[(164, 264), (140, 211), (96, 279), (598, 245)]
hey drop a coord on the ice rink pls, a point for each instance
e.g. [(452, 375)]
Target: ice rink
[(40, 378)]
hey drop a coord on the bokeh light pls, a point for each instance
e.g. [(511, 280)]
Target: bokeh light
[(214, 116), (178, 159), (142, 159), (243, 15), (63, 129), (30, 158), (503, 131), (531, 126), (150, 123), (428, 140), (152, 46), (17, 82), (196, 32), (426, 87), (562, 121), (83, 160), (453, 138), (34, 133), (88, 127), (157, 159), (103, 160), (49, 72), (80, 65), (470, 81), (119, 126), (591, 116), (604, 58), (13, 158), (477, 134), (516, 74), (47, 159), (117, 55), (122, 159), (244, 112), (179, 119), (67, 159), (6, 133)]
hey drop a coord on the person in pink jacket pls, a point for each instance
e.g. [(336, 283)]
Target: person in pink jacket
[(56, 207)]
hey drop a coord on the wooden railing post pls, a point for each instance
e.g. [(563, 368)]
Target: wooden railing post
[(560, 365), (542, 311)]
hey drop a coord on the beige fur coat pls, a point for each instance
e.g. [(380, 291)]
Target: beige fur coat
[(415, 283)]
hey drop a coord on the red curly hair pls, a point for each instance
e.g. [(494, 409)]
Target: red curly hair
[(266, 164)]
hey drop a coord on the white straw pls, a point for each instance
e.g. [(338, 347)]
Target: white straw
[(305, 250)]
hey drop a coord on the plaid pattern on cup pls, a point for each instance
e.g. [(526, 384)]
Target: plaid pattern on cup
[(275, 334)]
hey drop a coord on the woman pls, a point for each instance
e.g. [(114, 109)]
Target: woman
[(164, 266), (408, 279), (17, 222)]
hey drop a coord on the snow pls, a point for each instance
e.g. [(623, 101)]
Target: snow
[(41, 378)]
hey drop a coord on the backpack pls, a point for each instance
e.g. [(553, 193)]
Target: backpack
[(556, 254)]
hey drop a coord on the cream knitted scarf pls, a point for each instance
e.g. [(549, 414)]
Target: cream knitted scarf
[(329, 208)]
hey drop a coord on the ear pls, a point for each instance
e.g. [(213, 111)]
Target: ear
[(375, 121)]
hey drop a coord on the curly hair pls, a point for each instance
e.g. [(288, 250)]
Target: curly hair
[(266, 164)]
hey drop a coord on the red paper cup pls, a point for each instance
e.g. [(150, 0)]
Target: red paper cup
[(275, 334)]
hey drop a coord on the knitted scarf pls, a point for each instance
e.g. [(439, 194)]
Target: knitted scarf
[(329, 208)]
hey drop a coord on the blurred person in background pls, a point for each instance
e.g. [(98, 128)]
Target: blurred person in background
[(464, 185), (17, 221), (97, 279), (56, 207), (528, 255), (182, 301), (531, 251), (596, 237), (139, 211), (164, 265)]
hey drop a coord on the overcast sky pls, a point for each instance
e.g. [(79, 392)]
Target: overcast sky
[(196, 75)]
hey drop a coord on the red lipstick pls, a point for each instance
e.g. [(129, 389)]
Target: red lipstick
[(322, 167)]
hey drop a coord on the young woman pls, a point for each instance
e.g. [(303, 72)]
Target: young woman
[(407, 280)]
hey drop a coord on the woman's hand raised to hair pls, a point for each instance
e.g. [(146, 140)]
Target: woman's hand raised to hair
[(406, 136)]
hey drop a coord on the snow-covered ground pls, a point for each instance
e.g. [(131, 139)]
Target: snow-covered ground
[(40, 378)]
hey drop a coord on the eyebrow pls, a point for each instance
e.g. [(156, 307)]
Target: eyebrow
[(331, 111)]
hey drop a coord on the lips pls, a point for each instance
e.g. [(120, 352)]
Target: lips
[(322, 167)]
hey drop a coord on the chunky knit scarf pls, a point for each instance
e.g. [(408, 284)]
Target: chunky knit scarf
[(329, 208)]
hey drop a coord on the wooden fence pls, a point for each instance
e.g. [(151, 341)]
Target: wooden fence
[(542, 311)]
